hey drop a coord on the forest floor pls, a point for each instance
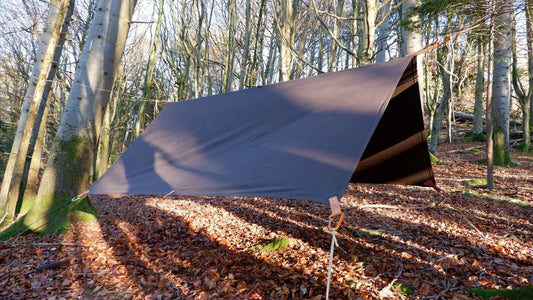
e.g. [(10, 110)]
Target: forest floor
[(400, 242)]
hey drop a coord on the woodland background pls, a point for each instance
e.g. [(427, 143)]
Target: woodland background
[(80, 80)]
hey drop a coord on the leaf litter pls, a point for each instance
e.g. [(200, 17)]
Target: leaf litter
[(401, 242)]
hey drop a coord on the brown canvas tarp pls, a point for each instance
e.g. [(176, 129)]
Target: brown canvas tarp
[(302, 139)]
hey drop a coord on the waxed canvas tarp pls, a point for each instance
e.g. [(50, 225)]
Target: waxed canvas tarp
[(302, 139)]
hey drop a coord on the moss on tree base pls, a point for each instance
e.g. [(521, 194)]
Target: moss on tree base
[(502, 157), (57, 220)]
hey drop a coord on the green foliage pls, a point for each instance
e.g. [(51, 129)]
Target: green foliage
[(433, 158), (114, 156), (275, 245), (83, 211), (365, 231), (516, 294), (351, 283), (502, 157), (482, 162), (525, 148), (476, 137), (403, 289), (469, 195), (471, 151), (475, 181), (56, 221)]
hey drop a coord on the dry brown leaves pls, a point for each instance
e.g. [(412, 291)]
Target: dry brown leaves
[(206, 248)]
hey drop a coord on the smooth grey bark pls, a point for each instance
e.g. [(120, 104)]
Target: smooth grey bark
[(256, 65), (501, 82), (68, 169), (9, 194), (412, 42), (230, 43), (286, 39), (382, 33), (441, 110), (39, 128), (332, 59), (246, 47), (524, 94), (480, 84)]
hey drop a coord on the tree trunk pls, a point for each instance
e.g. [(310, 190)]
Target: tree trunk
[(9, 194), (286, 39), (230, 43), (335, 33), (68, 169), (412, 42), (198, 76), (246, 47), (440, 112), (368, 34), (302, 47), (501, 83), (442, 107), (480, 84), (139, 123), (524, 94), (39, 128), (383, 33), (255, 68), (529, 38)]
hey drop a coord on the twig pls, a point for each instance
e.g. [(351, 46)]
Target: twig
[(388, 206), (370, 206), (464, 149), (51, 266), (54, 245)]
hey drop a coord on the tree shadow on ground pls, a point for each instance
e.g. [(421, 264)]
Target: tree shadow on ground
[(203, 247)]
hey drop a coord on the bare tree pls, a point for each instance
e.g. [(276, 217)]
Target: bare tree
[(501, 81), (9, 195), (68, 169)]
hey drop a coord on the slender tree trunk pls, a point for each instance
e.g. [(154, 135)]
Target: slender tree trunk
[(230, 42), (68, 169), (268, 75), (39, 129), (255, 68), (302, 47), (207, 53), (246, 47), (501, 86), (339, 5), (102, 156), (529, 18), (9, 194), (412, 42), (480, 84), (451, 69), (198, 72), (139, 124), (355, 30), (369, 33), (286, 39), (490, 126), (383, 33), (442, 109), (524, 94)]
